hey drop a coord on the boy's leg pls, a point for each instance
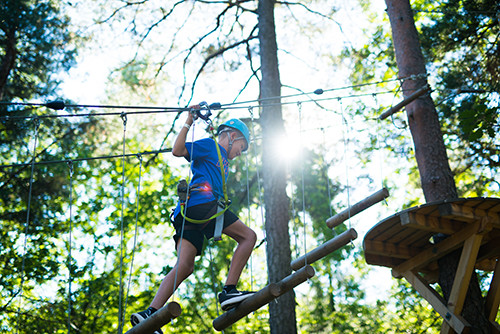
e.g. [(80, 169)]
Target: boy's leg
[(186, 253), (246, 238)]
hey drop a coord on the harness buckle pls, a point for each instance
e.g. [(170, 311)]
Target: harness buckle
[(223, 203), (182, 188)]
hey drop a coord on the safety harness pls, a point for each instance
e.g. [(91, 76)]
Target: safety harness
[(222, 204)]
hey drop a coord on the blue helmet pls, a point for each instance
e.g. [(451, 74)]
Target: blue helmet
[(237, 125)]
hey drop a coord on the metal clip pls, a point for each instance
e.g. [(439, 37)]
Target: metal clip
[(182, 188)]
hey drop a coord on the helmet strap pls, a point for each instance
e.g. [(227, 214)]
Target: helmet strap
[(230, 142)]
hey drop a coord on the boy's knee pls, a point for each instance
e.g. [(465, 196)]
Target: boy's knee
[(252, 236)]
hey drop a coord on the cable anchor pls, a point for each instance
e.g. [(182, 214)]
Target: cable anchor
[(123, 116)]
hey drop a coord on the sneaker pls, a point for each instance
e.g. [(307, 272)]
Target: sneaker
[(230, 299), (143, 315)]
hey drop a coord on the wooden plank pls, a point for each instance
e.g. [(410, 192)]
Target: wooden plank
[(380, 260), (263, 297), (405, 235), (357, 208), (437, 251), (429, 223), (418, 239), (323, 250), (457, 322), (464, 272), (389, 234), (390, 249), (493, 297), (160, 318), (467, 214), (382, 227), (484, 203)]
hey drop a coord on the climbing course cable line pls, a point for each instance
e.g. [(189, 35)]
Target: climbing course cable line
[(102, 157), (138, 109)]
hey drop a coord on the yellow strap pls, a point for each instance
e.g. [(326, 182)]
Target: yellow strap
[(202, 221), (222, 171)]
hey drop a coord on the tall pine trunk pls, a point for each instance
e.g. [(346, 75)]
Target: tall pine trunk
[(430, 152), (281, 313)]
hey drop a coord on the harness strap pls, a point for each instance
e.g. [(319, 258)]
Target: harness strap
[(221, 207), (202, 221)]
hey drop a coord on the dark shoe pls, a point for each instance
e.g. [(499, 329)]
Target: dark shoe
[(229, 299), (143, 315)]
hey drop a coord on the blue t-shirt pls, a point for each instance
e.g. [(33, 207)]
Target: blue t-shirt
[(206, 181)]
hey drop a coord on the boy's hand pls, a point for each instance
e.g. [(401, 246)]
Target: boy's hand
[(192, 116), (193, 113)]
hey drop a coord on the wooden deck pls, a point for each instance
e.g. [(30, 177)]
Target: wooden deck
[(404, 242)]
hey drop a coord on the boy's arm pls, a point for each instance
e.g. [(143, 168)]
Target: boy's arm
[(179, 149)]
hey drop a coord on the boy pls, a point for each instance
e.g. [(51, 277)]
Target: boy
[(205, 190)]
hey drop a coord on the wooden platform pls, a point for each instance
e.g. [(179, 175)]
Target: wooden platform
[(404, 243)]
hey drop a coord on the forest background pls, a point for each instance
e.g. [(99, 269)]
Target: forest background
[(85, 243)]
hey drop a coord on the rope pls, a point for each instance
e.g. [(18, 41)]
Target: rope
[(294, 214), (345, 132), (26, 229), (379, 149), (120, 296), (214, 285), (259, 183), (327, 178), (249, 217), (299, 105), (70, 165), (174, 289), (135, 233)]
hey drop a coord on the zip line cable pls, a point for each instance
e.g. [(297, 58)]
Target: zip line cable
[(160, 110), (318, 91), (60, 105), (86, 158)]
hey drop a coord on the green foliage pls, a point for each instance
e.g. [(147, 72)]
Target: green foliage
[(460, 45), (35, 44)]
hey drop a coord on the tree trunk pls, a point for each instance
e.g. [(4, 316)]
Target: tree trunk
[(281, 313), (8, 61), (430, 152)]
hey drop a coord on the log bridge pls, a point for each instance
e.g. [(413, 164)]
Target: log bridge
[(303, 270)]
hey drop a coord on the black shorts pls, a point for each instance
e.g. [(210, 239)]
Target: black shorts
[(196, 233)]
